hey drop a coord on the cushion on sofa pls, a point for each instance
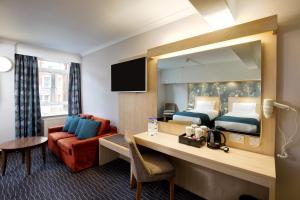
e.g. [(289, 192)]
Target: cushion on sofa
[(73, 125), (105, 124), (88, 129), (59, 135), (86, 116), (68, 123), (80, 124)]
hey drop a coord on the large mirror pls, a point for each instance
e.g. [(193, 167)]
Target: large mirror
[(218, 88)]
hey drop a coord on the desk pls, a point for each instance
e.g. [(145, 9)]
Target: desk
[(111, 148), (249, 166)]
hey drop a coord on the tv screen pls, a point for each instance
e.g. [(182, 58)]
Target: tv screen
[(129, 76)]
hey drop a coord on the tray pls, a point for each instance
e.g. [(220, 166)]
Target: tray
[(192, 142)]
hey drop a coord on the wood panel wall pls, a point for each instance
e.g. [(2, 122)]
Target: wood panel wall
[(136, 108)]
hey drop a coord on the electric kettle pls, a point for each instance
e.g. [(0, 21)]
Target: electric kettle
[(214, 139)]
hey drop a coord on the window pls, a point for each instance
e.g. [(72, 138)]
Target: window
[(53, 86)]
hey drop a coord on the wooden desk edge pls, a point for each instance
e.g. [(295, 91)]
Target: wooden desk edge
[(118, 148), (258, 178)]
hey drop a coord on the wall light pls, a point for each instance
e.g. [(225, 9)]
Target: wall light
[(5, 64)]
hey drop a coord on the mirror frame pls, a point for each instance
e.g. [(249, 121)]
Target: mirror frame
[(263, 30)]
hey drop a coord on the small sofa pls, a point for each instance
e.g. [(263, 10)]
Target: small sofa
[(78, 154)]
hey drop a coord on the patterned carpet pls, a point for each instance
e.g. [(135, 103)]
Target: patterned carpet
[(55, 181)]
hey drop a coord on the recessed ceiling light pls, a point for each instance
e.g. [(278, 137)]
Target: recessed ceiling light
[(220, 19), (217, 13)]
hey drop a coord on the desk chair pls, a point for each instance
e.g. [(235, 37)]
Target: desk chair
[(149, 167)]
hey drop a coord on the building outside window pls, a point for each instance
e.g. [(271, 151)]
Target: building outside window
[(53, 86)]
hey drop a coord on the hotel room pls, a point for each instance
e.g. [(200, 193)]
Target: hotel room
[(173, 99)]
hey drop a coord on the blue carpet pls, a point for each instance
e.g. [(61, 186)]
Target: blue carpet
[(55, 181)]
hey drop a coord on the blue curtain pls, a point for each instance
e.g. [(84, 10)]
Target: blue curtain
[(27, 99), (74, 103)]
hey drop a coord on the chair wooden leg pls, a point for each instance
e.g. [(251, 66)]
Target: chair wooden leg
[(138, 191), (171, 188), (4, 160), (132, 181)]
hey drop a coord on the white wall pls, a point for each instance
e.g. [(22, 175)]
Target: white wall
[(7, 111), (47, 54), (212, 73), (177, 93), (161, 96), (7, 103), (288, 88), (97, 98)]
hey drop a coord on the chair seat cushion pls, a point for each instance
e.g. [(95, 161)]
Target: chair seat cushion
[(59, 135), (157, 164), (169, 111), (66, 144)]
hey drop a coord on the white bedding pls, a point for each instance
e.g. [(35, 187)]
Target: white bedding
[(239, 127), (211, 114)]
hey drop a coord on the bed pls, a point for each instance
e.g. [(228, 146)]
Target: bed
[(206, 109), (243, 116)]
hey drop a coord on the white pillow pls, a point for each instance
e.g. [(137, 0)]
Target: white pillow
[(205, 106), (246, 108)]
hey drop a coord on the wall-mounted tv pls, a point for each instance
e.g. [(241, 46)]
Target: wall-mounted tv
[(129, 76)]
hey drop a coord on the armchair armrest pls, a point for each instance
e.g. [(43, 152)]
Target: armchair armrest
[(55, 129), (113, 129)]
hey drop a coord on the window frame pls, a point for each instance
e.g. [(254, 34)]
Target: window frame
[(53, 71)]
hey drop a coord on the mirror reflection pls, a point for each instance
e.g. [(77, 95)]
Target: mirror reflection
[(218, 88)]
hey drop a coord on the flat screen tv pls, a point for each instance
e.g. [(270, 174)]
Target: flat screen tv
[(129, 76)]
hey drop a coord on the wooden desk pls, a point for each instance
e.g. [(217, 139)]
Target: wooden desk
[(111, 148), (253, 167)]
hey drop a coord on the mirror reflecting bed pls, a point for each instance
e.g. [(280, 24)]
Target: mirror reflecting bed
[(218, 88)]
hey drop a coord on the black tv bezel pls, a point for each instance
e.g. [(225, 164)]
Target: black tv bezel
[(139, 91)]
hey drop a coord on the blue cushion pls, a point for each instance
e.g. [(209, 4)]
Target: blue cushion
[(80, 124), (73, 125), (67, 123), (88, 129)]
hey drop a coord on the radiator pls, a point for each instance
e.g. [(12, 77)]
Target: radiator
[(52, 122)]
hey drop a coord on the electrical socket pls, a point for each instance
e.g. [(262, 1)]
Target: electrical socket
[(254, 141), (237, 138)]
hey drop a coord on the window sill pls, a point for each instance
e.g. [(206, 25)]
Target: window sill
[(54, 116)]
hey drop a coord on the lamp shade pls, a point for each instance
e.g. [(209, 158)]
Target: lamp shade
[(5, 64)]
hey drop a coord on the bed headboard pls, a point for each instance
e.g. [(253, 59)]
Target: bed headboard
[(207, 98), (256, 100)]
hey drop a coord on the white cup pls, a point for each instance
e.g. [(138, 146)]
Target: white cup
[(194, 125), (199, 132), (205, 128), (188, 131)]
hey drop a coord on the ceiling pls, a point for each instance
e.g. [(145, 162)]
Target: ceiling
[(79, 26), (83, 26), (247, 55)]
